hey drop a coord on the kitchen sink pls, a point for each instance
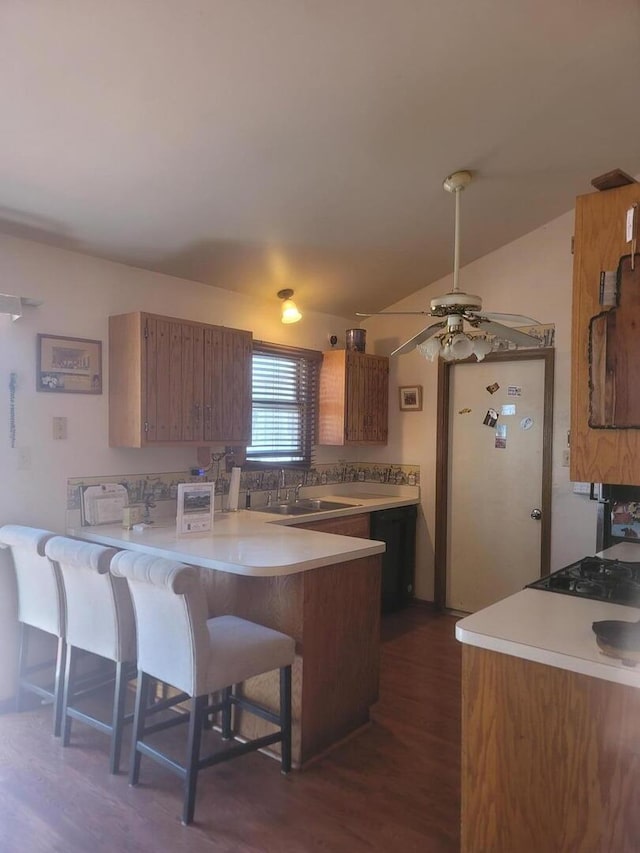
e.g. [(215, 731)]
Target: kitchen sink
[(304, 506)]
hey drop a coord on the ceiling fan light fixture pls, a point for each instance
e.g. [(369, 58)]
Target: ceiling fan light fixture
[(430, 349), (290, 313), (481, 347), (460, 346)]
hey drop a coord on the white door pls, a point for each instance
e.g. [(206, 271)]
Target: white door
[(495, 480)]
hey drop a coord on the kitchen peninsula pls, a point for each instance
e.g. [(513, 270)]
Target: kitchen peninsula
[(550, 727), (320, 588)]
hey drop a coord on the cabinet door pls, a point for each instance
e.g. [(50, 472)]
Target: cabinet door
[(380, 402), (599, 455), (227, 385), (350, 525), (355, 397), (173, 381)]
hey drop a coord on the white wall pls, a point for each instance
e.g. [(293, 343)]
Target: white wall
[(530, 276), (79, 293)]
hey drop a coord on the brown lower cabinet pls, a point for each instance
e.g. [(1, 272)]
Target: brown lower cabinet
[(550, 759), (333, 614)]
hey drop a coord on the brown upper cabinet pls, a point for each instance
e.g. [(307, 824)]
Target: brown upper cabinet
[(354, 398), (605, 363), (177, 382)]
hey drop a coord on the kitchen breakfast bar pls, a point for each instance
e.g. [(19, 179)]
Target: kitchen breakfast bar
[(322, 589)]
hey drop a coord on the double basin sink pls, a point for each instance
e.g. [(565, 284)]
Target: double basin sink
[(304, 506)]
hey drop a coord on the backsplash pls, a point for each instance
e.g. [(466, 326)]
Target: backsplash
[(157, 489)]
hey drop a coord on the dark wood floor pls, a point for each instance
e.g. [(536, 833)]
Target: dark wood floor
[(394, 787)]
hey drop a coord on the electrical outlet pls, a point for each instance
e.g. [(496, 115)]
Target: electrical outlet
[(59, 429), (565, 458)]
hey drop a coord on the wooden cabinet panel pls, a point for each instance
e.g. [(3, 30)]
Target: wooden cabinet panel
[(332, 614), (350, 525), (177, 382), (227, 383), (550, 758), (354, 390), (598, 454)]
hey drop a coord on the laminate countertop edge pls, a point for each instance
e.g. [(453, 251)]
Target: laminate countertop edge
[(253, 543)]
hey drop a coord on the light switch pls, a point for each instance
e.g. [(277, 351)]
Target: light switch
[(60, 428)]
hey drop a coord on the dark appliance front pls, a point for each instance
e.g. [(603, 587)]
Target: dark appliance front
[(618, 515)]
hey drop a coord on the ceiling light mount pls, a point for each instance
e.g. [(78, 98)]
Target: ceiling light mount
[(457, 181), (290, 313)]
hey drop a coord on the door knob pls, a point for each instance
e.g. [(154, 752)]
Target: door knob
[(536, 514)]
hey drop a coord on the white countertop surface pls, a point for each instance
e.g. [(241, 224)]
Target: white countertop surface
[(257, 543), (554, 629)]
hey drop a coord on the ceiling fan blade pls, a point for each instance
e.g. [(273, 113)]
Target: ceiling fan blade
[(520, 319), (389, 313), (500, 331), (422, 336)]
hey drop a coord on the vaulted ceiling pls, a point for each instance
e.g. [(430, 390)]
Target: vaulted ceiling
[(261, 144)]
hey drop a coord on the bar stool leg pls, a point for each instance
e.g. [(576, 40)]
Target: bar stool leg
[(119, 695), (226, 714), (285, 717), (58, 688), (23, 646), (142, 703), (69, 686), (198, 705)]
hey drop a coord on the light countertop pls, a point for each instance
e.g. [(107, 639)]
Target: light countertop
[(554, 629), (257, 543)]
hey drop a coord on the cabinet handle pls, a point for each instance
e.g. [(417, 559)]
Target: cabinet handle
[(196, 409)]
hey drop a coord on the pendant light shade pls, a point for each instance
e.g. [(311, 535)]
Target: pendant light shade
[(290, 313)]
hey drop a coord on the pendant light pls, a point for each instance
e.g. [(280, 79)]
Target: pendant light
[(290, 313)]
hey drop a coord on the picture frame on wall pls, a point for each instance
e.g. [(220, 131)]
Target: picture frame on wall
[(411, 398), (68, 365)]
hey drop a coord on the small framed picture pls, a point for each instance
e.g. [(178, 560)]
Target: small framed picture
[(411, 398), (69, 365), (195, 507)]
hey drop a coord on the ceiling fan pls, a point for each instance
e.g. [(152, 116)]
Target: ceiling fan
[(447, 337)]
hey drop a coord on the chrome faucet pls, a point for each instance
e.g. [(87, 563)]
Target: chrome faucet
[(297, 491), (281, 483)]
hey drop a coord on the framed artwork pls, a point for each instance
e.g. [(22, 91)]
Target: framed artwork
[(69, 365), (411, 398)]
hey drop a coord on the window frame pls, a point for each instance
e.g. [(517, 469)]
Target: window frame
[(312, 360)]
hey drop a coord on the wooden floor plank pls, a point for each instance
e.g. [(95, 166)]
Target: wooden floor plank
[(393, 787)]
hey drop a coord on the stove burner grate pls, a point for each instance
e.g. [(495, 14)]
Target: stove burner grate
[(596, 578)]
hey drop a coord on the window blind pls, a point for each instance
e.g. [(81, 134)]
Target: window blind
[(284, 403)]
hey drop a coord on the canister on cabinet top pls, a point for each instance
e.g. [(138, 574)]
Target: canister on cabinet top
[(356, 339)]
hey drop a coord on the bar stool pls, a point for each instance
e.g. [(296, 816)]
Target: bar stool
[(40, 605), (179, 646), (100, 620)]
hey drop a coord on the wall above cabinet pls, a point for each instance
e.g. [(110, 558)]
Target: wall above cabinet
[(177, 382)]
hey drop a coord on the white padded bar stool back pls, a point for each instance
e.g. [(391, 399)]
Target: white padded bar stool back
[(99, 611), (178, 645), (40, 591), (171, 617)]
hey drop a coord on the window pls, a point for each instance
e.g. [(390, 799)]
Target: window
[(284, 403)]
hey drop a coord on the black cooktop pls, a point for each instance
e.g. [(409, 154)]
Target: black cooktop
[(595, 577)]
